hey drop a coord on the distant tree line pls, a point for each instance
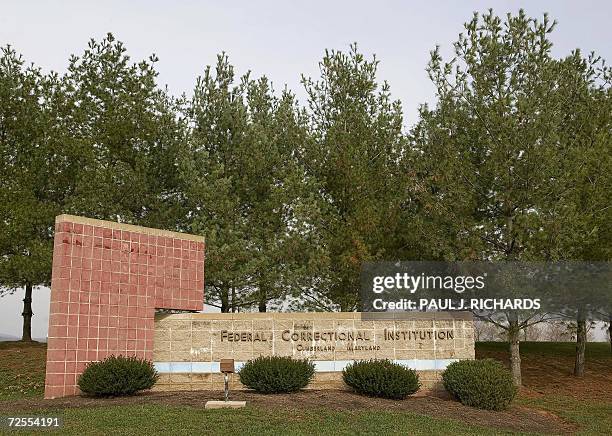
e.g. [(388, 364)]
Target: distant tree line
[(512, 162)]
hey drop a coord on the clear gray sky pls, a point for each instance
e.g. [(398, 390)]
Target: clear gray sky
[(281, 39)]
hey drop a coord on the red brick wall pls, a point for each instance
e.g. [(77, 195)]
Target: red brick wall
[(107, 281)]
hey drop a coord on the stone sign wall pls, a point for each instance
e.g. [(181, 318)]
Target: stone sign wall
[(188, 347)]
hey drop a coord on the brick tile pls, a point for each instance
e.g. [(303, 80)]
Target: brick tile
[(56, 356), (70, 390), (70, 357), (54, 391), (70, 379)]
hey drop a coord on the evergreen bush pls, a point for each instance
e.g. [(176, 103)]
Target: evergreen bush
[(117, 376)]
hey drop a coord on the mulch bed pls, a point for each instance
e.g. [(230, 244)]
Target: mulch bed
[(520, 419)]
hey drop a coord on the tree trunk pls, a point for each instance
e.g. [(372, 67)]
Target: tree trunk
[(262, 300), (263, 307), (225, 307), (233, 299), (581, 338), (515, 353), (27, 314), (610, 332)]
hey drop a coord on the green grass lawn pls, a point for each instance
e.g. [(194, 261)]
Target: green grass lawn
[(22, 375), (22, 370), (591, 417), (158, 419)]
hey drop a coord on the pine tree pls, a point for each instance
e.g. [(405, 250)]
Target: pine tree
[(496, 148), (244, 189), (358, 156), (130, 134), (38, 173)]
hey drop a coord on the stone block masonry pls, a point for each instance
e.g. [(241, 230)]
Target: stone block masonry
[(107, 280), (189, 347)]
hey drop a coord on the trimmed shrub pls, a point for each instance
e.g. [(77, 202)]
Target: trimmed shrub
[(381, 378), (117, 376), (276, 374), (485, 384)]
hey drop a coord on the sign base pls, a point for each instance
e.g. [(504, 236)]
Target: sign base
[(224, 404)]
